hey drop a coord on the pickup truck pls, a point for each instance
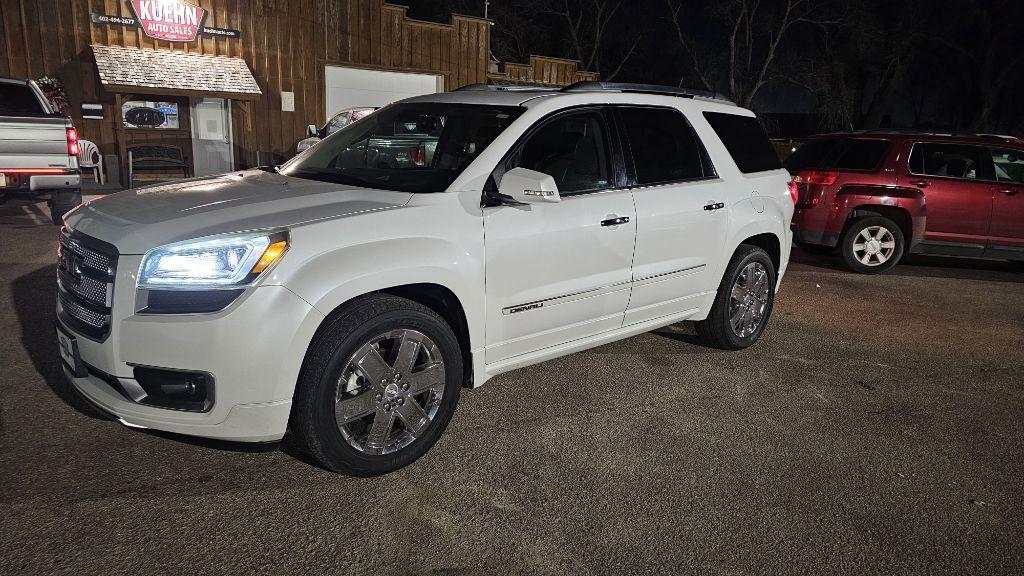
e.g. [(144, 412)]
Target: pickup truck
[(38, 150)]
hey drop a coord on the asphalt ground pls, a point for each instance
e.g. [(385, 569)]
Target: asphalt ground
[(875, 429)]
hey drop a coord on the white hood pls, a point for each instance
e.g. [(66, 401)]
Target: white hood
[(140, 219)]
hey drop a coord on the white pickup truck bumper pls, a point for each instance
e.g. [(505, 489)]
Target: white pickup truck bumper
[(54, 182)]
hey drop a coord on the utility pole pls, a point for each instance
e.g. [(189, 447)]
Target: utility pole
[(487, 4)]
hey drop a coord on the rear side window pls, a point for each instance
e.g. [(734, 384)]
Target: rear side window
[(18, 100), (1009, 164), (961, 161), (745, 140), (813, 154), (863, 155), (664, 146), (838, 154)]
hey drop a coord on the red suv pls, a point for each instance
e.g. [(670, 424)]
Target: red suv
[(868, 194)]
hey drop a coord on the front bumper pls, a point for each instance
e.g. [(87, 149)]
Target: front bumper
[(253, 349)]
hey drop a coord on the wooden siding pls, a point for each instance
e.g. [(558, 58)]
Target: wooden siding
[(286, 43), (542, 70)]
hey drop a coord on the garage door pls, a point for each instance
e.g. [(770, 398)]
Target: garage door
[(355, 87)]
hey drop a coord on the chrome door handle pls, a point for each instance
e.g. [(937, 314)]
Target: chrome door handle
[(714, 206), (615, 221), (1009, 191), (920, 183)]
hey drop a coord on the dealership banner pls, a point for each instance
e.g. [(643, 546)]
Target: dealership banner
[(168, 20)]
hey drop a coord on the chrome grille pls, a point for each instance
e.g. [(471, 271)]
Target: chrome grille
[(81, 313), (85, 283)]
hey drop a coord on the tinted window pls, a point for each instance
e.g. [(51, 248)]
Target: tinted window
[(862, 155), (1009, 164), (573, 149), (745, 140), (813, 154), (664, 146), (951, 161), (405, 147), (18, 99)]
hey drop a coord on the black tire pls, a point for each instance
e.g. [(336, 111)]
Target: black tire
[(342, 335), (717, 331), (61, 203), (816, 249), (853, 231)]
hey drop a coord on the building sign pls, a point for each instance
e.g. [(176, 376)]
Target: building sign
[(171, 20), (144, 114), (168, 20)]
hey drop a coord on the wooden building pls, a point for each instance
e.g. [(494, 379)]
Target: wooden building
[(174, 72)]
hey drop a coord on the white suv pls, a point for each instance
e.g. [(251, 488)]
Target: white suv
[(349, 295)]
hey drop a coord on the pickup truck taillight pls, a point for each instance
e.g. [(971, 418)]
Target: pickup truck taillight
[(72, 142)]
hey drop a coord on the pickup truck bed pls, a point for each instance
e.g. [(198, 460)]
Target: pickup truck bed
[(36, 150)]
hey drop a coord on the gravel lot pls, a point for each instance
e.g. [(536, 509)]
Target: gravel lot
[(876, 429)]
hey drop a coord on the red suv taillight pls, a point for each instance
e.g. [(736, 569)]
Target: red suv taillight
[(794, 191), (72, 142), (817, 177)]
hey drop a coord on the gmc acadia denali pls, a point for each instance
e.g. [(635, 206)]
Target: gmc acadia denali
[(348, 295)]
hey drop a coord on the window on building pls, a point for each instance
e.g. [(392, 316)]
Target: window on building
[(148, 114)]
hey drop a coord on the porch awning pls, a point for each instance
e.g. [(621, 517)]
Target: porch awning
[(149, 71)]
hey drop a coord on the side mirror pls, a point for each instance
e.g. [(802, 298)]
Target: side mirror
[(312, 131), (529, 187)]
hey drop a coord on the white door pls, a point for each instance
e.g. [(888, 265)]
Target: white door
[(211, 136), (559, 272), (359, 88), (681, 214)]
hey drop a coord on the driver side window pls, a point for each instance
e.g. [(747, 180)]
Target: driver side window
[(573, 149)]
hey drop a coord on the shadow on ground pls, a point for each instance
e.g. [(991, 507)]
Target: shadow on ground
[(33, 296), (922, 266)]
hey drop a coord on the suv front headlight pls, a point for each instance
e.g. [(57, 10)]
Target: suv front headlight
[(217, 262)]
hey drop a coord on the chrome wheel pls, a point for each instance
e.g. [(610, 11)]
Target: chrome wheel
[(389, 392), (874, 246), (748, 301)]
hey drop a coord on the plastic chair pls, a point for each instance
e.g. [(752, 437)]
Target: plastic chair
[(89, 157)]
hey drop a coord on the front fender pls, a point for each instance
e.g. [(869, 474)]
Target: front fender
[(329, 279)]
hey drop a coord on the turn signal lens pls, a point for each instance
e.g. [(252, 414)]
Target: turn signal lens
[(270, 255)]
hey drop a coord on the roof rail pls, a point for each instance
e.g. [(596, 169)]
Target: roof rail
[(503, 88), (922, 132), (592, 86)]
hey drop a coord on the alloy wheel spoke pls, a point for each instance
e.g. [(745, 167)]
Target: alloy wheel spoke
[(355, 407), (865, 259), (739, 293), (429, 376), (413, 416), (373, 367), (889, 244), (377, 438), (408, 350), (866, 234)]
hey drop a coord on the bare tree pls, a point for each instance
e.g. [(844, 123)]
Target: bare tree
[(587, 24), (754, 34)]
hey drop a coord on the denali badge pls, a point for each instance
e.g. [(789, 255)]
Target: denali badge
[(524, 308)]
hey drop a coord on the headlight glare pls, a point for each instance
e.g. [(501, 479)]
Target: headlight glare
[(225, 261)]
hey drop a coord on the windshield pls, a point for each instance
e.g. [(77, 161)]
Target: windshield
[(405, 147)]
